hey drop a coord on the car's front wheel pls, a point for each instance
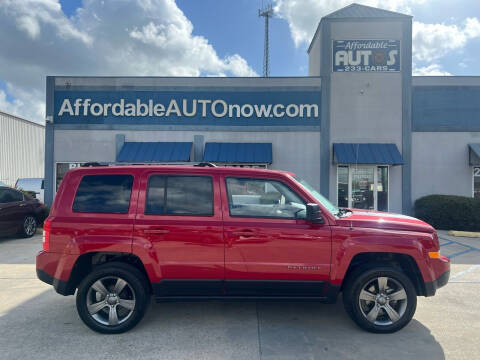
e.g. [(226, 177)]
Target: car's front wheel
[(113, 298), (380, 300)]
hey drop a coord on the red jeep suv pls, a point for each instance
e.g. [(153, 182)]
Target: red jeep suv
[(118, 234)]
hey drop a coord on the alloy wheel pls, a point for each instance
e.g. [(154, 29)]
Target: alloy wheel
[(30, 225), (110, 300), (383, 301)]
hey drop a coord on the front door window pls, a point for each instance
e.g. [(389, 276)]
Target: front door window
[(363, 187)]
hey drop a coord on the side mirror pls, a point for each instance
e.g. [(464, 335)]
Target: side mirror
[(314, 214)]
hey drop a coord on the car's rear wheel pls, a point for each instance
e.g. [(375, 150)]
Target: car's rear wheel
[(113, 298), (380, 300), (29, 226)]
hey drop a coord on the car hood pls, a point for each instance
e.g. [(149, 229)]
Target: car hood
[(382, 220)]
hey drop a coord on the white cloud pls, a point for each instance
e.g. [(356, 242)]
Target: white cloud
[(433, 41), (121, 37), (430, 41), (27, 104), (430, 70), (304, 16)]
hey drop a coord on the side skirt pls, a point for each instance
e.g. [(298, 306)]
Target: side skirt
[(226, 298), (244, 290)]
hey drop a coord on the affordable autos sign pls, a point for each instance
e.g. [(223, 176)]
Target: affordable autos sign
[(238, 108), (366, 55)]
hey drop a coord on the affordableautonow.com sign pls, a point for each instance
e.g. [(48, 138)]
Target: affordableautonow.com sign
[(366, 55), (236, 108)]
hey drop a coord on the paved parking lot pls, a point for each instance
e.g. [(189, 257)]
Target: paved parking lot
[(37, 323)]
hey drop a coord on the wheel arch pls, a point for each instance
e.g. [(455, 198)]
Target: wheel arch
[(402, 262), (87, 262)]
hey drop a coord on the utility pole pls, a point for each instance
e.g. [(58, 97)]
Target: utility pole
[(267, 13)]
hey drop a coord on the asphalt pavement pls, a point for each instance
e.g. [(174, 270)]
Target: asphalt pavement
[(36, 322)]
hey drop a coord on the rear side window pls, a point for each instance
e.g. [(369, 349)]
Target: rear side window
[(9, 196), (179, 195), (104, 194)]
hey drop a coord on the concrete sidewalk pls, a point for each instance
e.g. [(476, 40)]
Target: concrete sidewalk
[(35, 322)]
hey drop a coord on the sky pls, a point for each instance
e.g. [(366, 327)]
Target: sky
[(199, 38)]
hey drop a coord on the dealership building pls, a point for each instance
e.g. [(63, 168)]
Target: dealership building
[(359, 127)]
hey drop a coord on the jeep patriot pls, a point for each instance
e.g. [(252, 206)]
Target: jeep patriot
[(118, 234)]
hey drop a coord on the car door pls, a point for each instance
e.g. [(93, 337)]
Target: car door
[(270, 249), (180, 217), (13, 209)]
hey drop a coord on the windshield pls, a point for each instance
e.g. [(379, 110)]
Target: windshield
[(323, 200)]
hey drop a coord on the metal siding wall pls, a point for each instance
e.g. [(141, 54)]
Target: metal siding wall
[(22, 148), (440, 163), (297, 151), (364, 107), (445, 108)]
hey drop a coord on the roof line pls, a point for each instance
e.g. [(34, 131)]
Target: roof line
[(182, 77), (370, 7), (21, 119), (329, 18)]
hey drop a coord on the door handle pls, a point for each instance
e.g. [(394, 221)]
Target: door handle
[(22, 205), (244, 233), (156, 231)]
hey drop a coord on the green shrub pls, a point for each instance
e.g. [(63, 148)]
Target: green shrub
[(449, 212)]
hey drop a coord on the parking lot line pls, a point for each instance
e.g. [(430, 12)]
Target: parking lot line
[(456, 242), (464, 272)]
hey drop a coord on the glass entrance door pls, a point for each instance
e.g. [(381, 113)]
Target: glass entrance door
[(362, 187)]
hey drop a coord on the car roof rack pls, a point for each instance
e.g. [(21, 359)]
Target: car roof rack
[(205, 164), (93, 163)]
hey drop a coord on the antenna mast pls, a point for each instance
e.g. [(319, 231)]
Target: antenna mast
[(266, 12)]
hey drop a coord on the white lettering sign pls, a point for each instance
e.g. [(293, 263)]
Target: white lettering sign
[(218, 108), (366, 55)]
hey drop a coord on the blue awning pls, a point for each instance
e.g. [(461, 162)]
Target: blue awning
[(238, 152), (141, 152), (474, 154), (386, 154)]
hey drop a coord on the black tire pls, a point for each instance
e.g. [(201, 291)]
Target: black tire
[(29, 226), (359, 309), (136, 289)]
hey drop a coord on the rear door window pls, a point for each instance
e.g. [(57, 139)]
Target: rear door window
[(104, 194), (179, 195)]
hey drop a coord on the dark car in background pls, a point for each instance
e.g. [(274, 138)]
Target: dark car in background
[(19, 213)]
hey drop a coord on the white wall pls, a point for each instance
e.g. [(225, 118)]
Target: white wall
[(22, 149), (367, 107), (440, 163), (294, 151)]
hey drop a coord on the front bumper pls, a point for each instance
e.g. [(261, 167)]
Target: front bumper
[(441, 269), (432, 286)]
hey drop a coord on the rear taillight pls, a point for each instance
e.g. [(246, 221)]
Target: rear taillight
[(46, 235)]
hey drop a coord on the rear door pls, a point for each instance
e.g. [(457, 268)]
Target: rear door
[(270, 249), (95, 211), (13, 209), (179, 216)]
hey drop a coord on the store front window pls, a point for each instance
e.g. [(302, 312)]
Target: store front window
[(363, 187), (476, 182), (342, 186)]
